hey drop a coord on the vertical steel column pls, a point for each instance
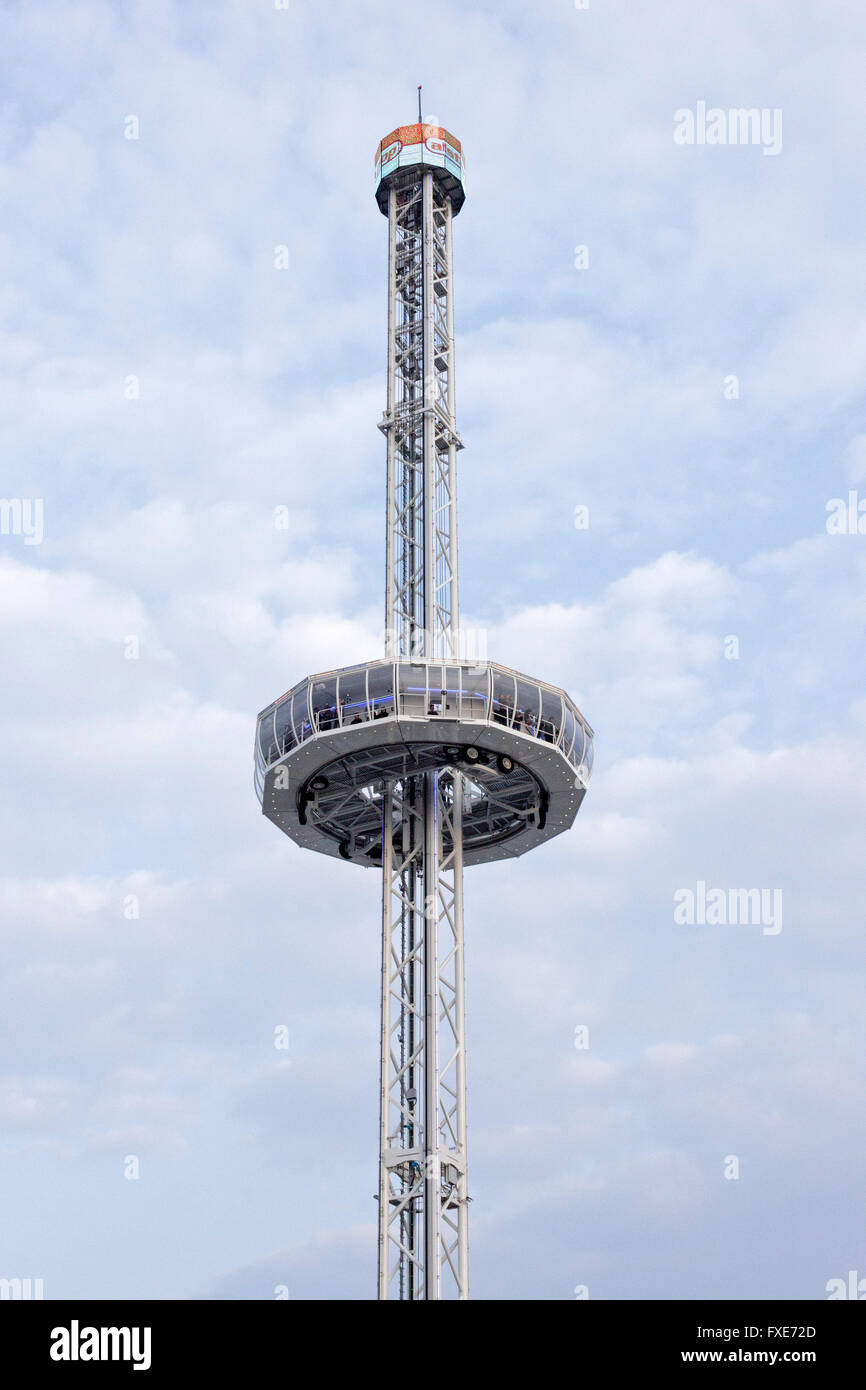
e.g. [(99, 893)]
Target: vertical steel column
[(423, 1231), (432, 636), (391, 645), (432, 1162), (451, 438)]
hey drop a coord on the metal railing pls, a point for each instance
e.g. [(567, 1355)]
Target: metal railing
[(475, 693)]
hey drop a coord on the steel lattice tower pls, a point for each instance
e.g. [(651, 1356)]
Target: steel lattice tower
[(425, 760)]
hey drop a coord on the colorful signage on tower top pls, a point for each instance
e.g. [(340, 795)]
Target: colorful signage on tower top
[(419, 144)]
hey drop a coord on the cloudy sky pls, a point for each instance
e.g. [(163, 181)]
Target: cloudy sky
[(698, 385)]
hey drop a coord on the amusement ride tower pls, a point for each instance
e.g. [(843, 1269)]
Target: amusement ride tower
[(426, 760)]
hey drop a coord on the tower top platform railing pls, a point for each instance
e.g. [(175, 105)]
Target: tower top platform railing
[(425, 690)]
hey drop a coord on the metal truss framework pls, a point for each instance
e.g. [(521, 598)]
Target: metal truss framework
[(421, 544), (423, 1234), (349, 807)]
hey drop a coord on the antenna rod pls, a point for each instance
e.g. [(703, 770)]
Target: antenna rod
[(419, 103)]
